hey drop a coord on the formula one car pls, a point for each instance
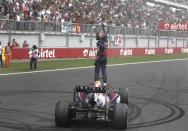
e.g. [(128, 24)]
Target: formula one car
[(96, 103)]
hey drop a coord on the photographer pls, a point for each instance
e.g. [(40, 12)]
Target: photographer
[(34, 54)]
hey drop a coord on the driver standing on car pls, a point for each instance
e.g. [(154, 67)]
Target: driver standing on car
[(101, 57)]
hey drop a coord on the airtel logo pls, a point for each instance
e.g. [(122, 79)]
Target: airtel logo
[(149, 51), (169, 51), (47, 53), (166, 26), (184, 50), (178, 26), (126, 52), (89, 52)]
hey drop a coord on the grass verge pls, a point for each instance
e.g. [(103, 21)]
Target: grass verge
[(70, 63)]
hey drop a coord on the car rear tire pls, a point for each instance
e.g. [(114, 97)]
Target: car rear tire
[(124, 95), (119, 116), (62, 114)]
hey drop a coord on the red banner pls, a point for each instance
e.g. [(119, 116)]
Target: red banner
[(173, 26), (51, 53)]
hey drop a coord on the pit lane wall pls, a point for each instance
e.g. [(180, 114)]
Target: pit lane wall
[(55, 53)]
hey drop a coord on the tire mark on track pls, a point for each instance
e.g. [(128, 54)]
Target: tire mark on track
[(158, 90), (15, 92), (175, 113)]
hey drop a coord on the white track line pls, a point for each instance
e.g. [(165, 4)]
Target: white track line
[(65, 69)]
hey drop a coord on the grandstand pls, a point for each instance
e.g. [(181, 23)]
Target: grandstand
[(183, 2), (131, 13)]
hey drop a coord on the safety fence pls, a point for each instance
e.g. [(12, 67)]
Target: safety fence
[(66, 27), (118, 36)]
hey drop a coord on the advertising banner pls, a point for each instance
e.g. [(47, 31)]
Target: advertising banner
[(173, 26), (55, 53)]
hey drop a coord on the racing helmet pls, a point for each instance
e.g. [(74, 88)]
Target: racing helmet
[(100, 35), (97, 84)]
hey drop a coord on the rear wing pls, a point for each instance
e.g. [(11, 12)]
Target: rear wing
[(88, 89)]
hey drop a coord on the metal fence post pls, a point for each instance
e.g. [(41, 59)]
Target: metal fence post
[(124, 41), (137, 37), (67, 39), (176, 42), (40, 33), (158, 38), (183, 39), (186, 38), (168, 37), (91, 35), (9, 30), (110, 36), (149, 33)]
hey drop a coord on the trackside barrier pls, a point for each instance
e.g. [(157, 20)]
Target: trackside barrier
[(55, 53), (79, 35)]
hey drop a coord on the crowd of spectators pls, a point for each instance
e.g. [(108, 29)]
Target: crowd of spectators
[(132, 13), (183, 2)]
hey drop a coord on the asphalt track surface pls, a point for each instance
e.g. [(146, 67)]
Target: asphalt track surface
[(158, 97)]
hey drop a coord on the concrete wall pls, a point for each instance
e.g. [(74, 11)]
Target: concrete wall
[(76, 40)]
